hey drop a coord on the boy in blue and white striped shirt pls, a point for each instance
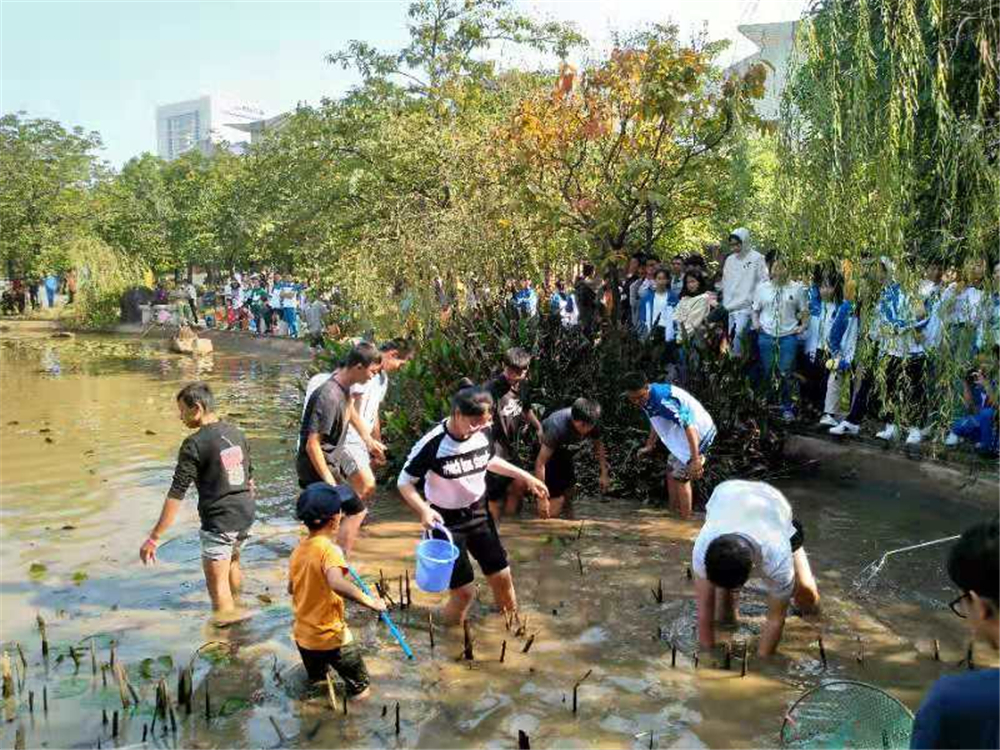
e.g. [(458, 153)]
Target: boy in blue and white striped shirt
[(684, 427)]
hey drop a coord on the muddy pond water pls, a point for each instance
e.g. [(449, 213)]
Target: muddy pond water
[(88, 438)]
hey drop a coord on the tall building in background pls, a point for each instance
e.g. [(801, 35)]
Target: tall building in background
[(775, 43), (204, 124)]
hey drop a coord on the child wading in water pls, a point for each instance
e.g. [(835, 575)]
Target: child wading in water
[(217, 459), (451, 461), (684, 427), (317, 581)]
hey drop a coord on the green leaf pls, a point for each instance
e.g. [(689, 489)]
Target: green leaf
[(233, 704), (37, 571), (79, 577)]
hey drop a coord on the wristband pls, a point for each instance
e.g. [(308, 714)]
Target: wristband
[(156, 542)]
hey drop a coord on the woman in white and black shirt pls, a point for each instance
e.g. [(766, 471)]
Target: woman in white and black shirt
[(452, 460)]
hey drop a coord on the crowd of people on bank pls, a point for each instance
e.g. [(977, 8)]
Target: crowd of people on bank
[(800, 338), (265, 304), (34, 293)]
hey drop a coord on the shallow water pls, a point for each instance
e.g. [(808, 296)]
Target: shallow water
[(88, 437)]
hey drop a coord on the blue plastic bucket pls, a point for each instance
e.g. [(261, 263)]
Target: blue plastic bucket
[(435, 560)]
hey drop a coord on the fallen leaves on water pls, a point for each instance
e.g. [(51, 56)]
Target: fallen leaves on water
[(150, 432), (79, 577), (264, 599), (48, 439), (13, 422), (161, 666), (37, 571), (232, 705)]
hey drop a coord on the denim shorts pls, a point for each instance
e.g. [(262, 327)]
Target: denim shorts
[(222, 545)]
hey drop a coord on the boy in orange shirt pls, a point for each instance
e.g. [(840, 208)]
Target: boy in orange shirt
[(318, 584)]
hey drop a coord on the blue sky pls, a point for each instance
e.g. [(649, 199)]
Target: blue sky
[(106, 65)]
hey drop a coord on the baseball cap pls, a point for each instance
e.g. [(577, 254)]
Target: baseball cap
[(319, 502)]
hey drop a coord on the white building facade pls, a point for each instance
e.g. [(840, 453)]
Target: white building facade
[(204, 123), (775, 44)]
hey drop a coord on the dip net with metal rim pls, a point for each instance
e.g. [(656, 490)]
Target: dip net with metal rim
[(845, 713)]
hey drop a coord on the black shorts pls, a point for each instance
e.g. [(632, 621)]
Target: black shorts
[(560, 475), (346, 661), (350, 507), (496, 486), (473, 532), (798, 537)]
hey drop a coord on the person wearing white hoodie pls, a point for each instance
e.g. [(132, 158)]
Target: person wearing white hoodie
[(743, 270)]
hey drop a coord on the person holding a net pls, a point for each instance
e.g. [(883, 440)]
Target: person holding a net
[(963, 710), (749, 529)]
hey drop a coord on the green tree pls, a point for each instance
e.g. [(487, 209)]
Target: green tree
[(44, 195), (137, 211)]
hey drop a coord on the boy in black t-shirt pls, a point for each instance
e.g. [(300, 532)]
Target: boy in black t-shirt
[(216, 459), (554, 464), (512, 409)]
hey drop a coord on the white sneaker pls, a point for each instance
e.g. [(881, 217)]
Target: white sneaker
[(914, 436), (952, 440), (828, 420), (889, 433), (845, 428)]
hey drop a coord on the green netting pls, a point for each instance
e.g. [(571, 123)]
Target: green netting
[(845, 713)]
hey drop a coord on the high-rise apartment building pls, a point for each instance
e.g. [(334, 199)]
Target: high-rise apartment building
[(204, 124)]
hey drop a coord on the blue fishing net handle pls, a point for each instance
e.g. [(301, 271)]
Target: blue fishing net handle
[(396, 633)]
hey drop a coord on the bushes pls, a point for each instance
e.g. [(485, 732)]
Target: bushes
[(103, 274)]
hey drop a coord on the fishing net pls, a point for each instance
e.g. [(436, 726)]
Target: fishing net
[(845, 713)]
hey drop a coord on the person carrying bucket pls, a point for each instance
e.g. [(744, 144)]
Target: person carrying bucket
[(452, 460)]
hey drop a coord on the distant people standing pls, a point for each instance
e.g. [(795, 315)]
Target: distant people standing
[(315, 314), (632, 274), (526, 299), (51, 285), (70, 287), (743, 270), (780, 313), (587, 291), (33, 283), (639, 287), (257, 300), (290, 307), (676, 279), (562, 305), (274, 303), (192, 298)]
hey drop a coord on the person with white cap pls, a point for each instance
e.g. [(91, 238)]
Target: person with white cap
[(743, 270)]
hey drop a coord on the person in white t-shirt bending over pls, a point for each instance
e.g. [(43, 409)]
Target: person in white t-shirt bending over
[(749, 529), (743, 270), (355, 460)]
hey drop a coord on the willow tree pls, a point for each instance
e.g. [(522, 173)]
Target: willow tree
[(890, 130), (889, 146)]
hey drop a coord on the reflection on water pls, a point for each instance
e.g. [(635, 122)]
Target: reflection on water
[(88, 438)]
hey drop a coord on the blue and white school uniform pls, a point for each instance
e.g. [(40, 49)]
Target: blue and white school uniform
[(671, 410)]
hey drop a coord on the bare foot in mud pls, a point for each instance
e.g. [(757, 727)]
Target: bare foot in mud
[(228, 619)]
